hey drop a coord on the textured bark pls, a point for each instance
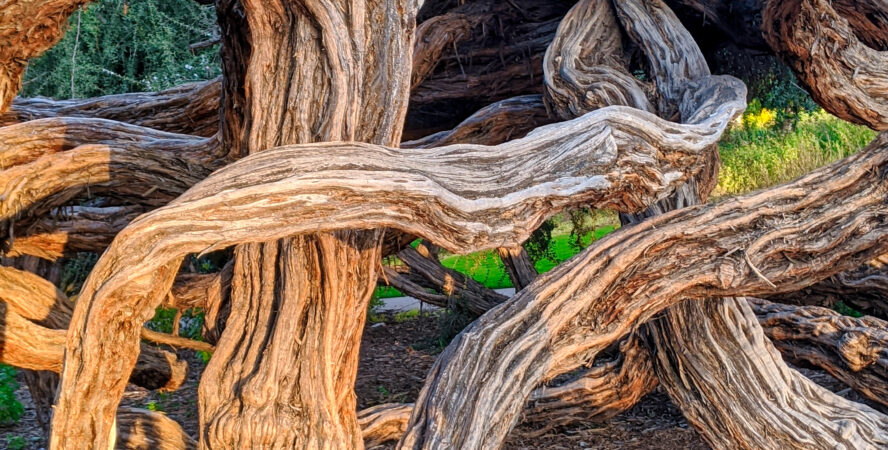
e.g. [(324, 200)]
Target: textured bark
[(864, 289), (518, 265), (68, 230), (854, 350), (596, 393), (501, 60), (49, 162), (738, 247), (778, 408), (845, 76), (133, 275), (27, 29), (187, 109), (383, 423), (36, 314), (682, 61), (140, 429), (585, 68), (299, 304)]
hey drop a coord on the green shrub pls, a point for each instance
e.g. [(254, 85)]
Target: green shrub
[(757, 153), (11, 408), (126, 46), (17, 443)]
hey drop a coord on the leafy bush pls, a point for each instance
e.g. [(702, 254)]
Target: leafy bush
[(757, 152), (10, 407), (116, 46), (17, 443)]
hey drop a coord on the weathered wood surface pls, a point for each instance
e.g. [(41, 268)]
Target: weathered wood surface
[(36, 315), (321, 70), (864, 289), (191, 108), (219, 211), (49, 162), (844, 75), (140, 429), (70, 229), (737, 247), (854, 350)]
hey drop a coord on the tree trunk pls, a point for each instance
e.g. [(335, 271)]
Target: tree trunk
[(284, 370)]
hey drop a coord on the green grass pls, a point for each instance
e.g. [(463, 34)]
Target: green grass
[(757, 152), (487, 268)]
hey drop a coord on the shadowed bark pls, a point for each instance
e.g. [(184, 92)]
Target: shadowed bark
[(845, 76)]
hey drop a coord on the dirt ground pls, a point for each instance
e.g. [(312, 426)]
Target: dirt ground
[(395, 357)]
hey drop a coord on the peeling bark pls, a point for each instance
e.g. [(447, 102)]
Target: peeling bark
[(844, 76), (734, 248)]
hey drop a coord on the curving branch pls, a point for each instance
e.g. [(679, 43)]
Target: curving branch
[(844, 75), (864, 288), (739, 247), (191, 108), (49, 162), (36, 315), (72, 229), (585, 68), (143, 429), (614, 157)]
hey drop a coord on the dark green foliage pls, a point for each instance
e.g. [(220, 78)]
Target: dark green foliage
[(538, 246), (17, 443), (768, 80), (842, 308), (127, 46), (10, 408), (75, 270), (191, 322)]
